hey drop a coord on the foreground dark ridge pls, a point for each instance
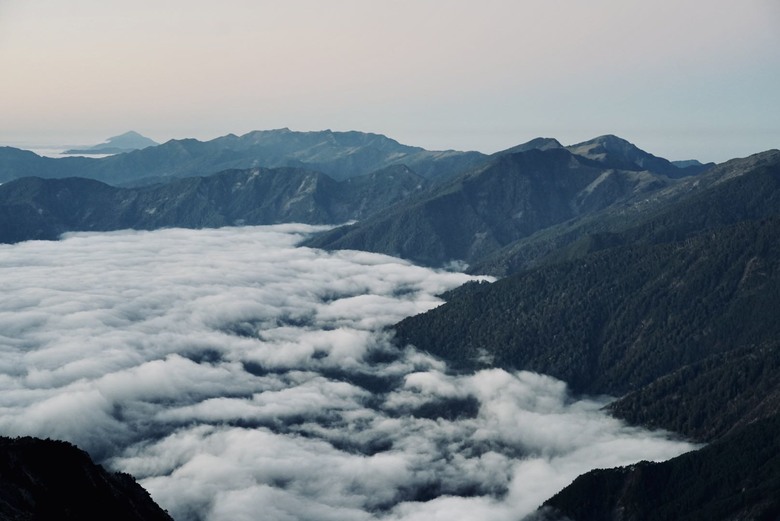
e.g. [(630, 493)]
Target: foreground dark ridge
[(46, 480), (737, 477)]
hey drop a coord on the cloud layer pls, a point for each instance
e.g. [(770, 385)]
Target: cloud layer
[(238, 375)]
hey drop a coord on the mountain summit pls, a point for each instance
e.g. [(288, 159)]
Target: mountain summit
[(615, 152), (126, 142)]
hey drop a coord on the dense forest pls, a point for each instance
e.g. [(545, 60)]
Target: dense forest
[(737, 477), (42, 480), (673, 309), (617, 320)]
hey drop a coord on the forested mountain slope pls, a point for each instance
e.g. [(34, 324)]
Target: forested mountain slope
[(617, 320), (34, 208), (737, 477), (726, 194), (513, 196), (46, 480)]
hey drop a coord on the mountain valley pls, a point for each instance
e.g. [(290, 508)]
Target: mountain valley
[(621, 273)]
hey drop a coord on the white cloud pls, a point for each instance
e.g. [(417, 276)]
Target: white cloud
[(235, 373)]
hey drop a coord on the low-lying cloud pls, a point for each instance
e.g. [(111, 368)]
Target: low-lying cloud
[(239, 376)]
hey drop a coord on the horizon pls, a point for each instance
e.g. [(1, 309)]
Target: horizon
[(55, 148), (689, 80)]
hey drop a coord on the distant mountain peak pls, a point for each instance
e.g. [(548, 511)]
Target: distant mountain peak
[(130, 134), (126, 142), (616, 152), (539, 143), (607, 143)]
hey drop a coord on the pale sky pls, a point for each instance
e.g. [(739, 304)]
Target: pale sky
[(679, 78)]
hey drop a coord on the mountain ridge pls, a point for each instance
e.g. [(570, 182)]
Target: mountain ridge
[(734, 478), (46, 480), (510, 197), (35, 208), (338, 154)]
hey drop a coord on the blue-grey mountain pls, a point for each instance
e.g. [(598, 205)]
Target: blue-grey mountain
[(126, 142), (512, 196), (340, 155), (35, 208)]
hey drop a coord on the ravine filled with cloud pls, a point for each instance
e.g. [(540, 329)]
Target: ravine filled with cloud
[(239, 376)]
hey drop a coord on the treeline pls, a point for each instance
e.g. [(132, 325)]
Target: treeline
[(47, 479), (617, 320), (737, 477)]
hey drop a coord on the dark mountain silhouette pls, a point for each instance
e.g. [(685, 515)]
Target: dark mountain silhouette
[(46, 480), (737, 477)]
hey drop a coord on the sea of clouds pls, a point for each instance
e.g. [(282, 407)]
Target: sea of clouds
[(241, 377)]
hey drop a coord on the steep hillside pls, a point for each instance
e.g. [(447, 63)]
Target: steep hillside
[(670, 322), (739, 189), (513, 196), (34, 208), (735, 478), (711, 398), (46, 480), (615, 152)]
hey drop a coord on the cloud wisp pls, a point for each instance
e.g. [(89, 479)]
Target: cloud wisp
[(237, 375)]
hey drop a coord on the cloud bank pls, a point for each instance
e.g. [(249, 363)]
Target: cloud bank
[(239, 376)]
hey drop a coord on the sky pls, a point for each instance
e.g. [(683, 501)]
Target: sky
[(230, 383), (679, 78)]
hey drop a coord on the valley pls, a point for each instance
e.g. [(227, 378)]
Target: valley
[(592, 270)]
